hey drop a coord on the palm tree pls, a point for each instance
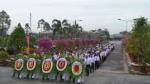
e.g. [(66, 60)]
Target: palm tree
[(47, 27), (76, 30), (41, 23), (66, 28), (56, 27)]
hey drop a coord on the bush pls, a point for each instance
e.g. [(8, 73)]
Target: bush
[(10, 51), (3, 55)]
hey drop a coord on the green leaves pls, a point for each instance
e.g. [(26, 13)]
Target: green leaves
[(17, 38), (3, 55), (139, 42)]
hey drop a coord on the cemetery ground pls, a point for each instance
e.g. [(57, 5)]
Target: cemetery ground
[(110, 72)]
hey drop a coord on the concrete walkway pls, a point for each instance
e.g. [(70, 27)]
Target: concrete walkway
[(111, 72)]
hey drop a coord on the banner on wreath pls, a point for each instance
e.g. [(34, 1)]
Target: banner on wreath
[(31, 64), (76, 68), (19, 64), (61, 64), (47, 66)]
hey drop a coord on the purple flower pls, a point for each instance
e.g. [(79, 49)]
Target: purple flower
[(45, 44)]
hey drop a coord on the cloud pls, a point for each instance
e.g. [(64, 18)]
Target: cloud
[(94, 13)]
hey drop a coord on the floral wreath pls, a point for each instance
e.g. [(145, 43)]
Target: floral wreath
[(19, 63), (76, 68), (31, 64), (61, 64), (47, 66)]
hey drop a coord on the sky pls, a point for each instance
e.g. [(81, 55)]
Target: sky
[(94, 14)]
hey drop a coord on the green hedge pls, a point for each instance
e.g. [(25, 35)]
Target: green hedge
[(3, 55)]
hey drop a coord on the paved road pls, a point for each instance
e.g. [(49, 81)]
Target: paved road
[(111, 72)]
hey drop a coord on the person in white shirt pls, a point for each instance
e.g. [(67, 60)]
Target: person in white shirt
[(107, 51), (97, 62), (55, 56), (112, 47), (102, 56), (95, 67), (92, 63), (87, 63)]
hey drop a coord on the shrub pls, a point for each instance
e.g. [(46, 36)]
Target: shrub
[(3, 55), (10, 51)]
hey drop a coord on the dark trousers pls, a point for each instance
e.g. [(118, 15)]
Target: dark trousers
[(87, 69), (105, 57), (97, 64), (92, 67)]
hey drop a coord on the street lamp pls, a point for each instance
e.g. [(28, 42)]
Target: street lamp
[(126, 22)]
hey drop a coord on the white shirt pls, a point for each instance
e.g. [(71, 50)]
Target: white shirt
[(92, 59), (97, 58), (102, 54), (107, 51), (55, 57), (87, 61)]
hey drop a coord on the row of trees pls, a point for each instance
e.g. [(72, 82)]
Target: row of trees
[(57, 29), (60, 28), (139, 41), (66, 30)]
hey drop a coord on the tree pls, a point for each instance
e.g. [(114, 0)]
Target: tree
[(4, 23), (41, 23), (107, 33), (66, 27), (47, 27), (17, 38), (124, 32), (76, 30), (56, 27), (3, 41), (139, 42), (44, 26)]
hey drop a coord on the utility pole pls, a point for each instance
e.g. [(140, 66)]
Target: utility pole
[(30, 20)]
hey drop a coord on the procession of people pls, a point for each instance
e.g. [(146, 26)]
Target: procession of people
[(71, 65)]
